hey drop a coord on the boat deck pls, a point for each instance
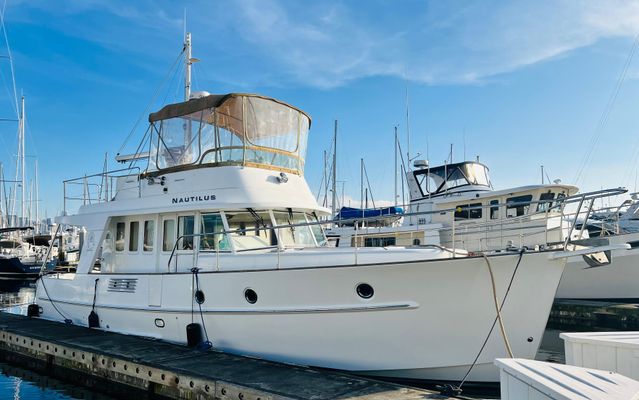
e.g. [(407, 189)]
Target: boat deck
[(122, 364)]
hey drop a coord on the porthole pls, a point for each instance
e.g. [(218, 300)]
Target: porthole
[(250, 296), (159, 322), (365, 291)]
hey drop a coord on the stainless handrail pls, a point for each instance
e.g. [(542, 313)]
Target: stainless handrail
[(82, 181), (561, 203)]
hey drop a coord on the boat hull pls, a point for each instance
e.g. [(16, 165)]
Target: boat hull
[(426, 320), (617, 281), (11, 268)]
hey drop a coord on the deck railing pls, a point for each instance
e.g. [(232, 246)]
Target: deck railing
[(515, 227), (97, 188)]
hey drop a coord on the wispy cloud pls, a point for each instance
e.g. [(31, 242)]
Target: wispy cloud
[(320, 44)]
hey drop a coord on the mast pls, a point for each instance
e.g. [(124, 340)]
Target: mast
[(542, 175), (2, 208), (37, 199), (407, 130), (188, 62), (395, 149), (334, 184), (21, 160), (361, 184)]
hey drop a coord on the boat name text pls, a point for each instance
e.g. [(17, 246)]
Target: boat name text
[(207, 197)]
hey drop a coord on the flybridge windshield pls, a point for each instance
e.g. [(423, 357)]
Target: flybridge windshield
[(446, 177), (229, 130)]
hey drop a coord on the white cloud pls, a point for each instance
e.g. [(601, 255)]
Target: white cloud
[(320, 44)]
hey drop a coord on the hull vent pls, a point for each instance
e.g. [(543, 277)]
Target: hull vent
[(122, 285)]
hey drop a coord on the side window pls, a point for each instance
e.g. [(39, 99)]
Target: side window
[(494, 209), (468, 211), (544, 203), (379, 241), (149, 235), (168, 235), (518, 206), (212, 237), (134, 231), (119, 236), (475, 211), (461, 212), (186, 229)]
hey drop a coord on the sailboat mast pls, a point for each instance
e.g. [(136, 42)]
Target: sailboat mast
[(361, 184), (22, 156), (395, 166), (37, 199), (334, 186), (2, 208)]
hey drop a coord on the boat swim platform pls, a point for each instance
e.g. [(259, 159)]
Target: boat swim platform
[(128, 366)]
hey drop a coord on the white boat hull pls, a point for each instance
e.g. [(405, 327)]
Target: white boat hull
[(618, 280), (426, 320)]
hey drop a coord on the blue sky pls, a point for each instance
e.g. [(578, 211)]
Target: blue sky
[(518, 83)]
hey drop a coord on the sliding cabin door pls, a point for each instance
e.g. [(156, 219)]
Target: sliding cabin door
[(178, 233)]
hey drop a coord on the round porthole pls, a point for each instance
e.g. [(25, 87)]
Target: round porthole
[(250, 296), (365, 291)]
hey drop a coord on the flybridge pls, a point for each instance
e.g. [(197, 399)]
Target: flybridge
[(231, 129)]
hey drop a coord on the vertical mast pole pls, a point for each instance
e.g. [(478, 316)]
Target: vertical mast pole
[(395, 165), (542, 175), (22, 154), (407, 130), (361, 184), (334, 184), (30, 206), (187, 77), (2, 208), (37, 198)]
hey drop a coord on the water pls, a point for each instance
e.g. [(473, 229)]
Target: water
[(20, 384)]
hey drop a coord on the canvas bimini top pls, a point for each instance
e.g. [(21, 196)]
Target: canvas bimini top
[(230, 129), (457, 177)]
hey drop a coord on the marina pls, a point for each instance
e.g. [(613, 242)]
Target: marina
[(206, 258)]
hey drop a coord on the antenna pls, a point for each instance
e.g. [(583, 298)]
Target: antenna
[(542, 174), (184, 25)]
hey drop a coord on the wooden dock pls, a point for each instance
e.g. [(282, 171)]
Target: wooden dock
[(129, 366)]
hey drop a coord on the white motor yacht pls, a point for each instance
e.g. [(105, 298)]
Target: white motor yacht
[(457, 201), (217, 240), (223, 211)]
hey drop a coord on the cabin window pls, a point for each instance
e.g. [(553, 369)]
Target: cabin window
[(494, 209), (544, 203), (317, 230), (149, 235), (379, 241), (518, 206), (186, 231), (134, 229), (168, 240), (468, 211), (119, 236), (294, 235), (212, 230), (253, 230)]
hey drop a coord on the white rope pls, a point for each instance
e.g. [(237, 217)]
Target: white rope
[(499, 317)]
